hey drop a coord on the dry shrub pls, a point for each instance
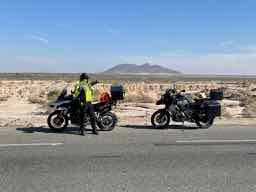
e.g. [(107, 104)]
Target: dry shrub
[(53, 95), (3, 99), (37, 100), (250, 105), (224, 113), (138, 98)]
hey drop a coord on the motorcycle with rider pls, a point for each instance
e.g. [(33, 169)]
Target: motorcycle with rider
[(78, 109)]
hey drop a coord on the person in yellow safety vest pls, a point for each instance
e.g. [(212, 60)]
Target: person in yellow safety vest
[(83, 90)]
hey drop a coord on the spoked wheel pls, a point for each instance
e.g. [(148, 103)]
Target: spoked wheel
[(205, 124), (57, 122), (160, 119), (107, 122)]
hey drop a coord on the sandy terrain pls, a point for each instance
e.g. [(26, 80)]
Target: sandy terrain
[(23, 103)]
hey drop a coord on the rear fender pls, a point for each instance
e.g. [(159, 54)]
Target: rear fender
[(106, 110)]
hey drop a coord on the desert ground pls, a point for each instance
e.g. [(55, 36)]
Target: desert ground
[(23, 103)]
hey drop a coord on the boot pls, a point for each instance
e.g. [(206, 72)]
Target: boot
[(82, 130), (95, 132), (94, 128)]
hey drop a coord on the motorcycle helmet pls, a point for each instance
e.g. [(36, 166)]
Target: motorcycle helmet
[(84, 76)]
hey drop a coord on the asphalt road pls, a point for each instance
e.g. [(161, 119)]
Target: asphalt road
[(130, 158)]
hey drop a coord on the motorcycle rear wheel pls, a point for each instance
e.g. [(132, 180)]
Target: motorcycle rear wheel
[(57, 122), (205, 125), (160, 119), (107, 122)]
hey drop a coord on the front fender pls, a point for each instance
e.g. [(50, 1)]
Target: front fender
[(164, 111), (62, 109)]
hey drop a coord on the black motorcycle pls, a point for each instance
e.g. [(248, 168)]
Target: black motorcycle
[(67, 109), (180, 107)]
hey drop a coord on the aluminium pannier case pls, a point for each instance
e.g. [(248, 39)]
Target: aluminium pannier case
[(117, 92), (216, 94)]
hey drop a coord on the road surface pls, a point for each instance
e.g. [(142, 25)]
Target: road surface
[(130, 158)]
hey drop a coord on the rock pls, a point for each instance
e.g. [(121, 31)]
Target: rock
[(234, 112), (232, 108), (252, 90)]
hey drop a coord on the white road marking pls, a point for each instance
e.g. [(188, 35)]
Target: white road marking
[(30, 144), (216, 141)]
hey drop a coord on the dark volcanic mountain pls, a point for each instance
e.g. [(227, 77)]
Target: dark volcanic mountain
[(140, 69)]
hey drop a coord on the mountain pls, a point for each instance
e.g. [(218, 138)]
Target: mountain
[(140, 69)]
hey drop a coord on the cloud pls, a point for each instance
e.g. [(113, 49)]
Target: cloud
[(39, 38), (236, 63), (112, 30), (248, 48), (227, 43), (61, 25), (37, 60)]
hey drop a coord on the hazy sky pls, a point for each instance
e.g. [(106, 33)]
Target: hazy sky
[(193, 36)]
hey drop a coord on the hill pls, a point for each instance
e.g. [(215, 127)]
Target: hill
[(140, 69)]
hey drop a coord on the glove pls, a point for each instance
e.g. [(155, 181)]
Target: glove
[(94, 82)]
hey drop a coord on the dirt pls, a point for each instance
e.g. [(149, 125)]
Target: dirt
[(23, 103)]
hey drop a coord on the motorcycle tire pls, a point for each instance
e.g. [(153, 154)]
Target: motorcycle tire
[(107, 121), (205, 125), (163, 122), (53, 121)]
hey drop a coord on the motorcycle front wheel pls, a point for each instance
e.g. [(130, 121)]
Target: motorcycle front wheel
[(107, 121), (160, 119), (57, 122)]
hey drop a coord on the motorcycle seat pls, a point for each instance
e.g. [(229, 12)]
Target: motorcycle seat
[(99, 106)]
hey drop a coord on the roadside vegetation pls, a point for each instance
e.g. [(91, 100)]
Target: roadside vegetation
[(53, 95), (250, 105), (3, 99), (43, 99), (138, 98), (110, 78), (37, 100)]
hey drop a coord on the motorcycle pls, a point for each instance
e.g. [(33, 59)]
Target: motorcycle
[(67, 110), (179, 107)]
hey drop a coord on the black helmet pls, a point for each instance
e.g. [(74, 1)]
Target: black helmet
[(84, 76)]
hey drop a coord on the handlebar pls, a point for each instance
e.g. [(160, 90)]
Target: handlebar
[(174, 91)]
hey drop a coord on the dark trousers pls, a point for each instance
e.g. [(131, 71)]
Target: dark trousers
[(87, 109)]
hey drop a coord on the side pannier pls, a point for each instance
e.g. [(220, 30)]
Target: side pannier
[(213, 108)]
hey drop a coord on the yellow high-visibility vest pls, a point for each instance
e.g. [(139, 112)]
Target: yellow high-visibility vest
[(87, 88)]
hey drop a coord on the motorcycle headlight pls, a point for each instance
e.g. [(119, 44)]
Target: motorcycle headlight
[(52, 105)]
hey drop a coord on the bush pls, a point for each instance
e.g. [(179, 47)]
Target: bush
[(37, 100), (52, 95), (249, 103), (138, 98), (2, 99)]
